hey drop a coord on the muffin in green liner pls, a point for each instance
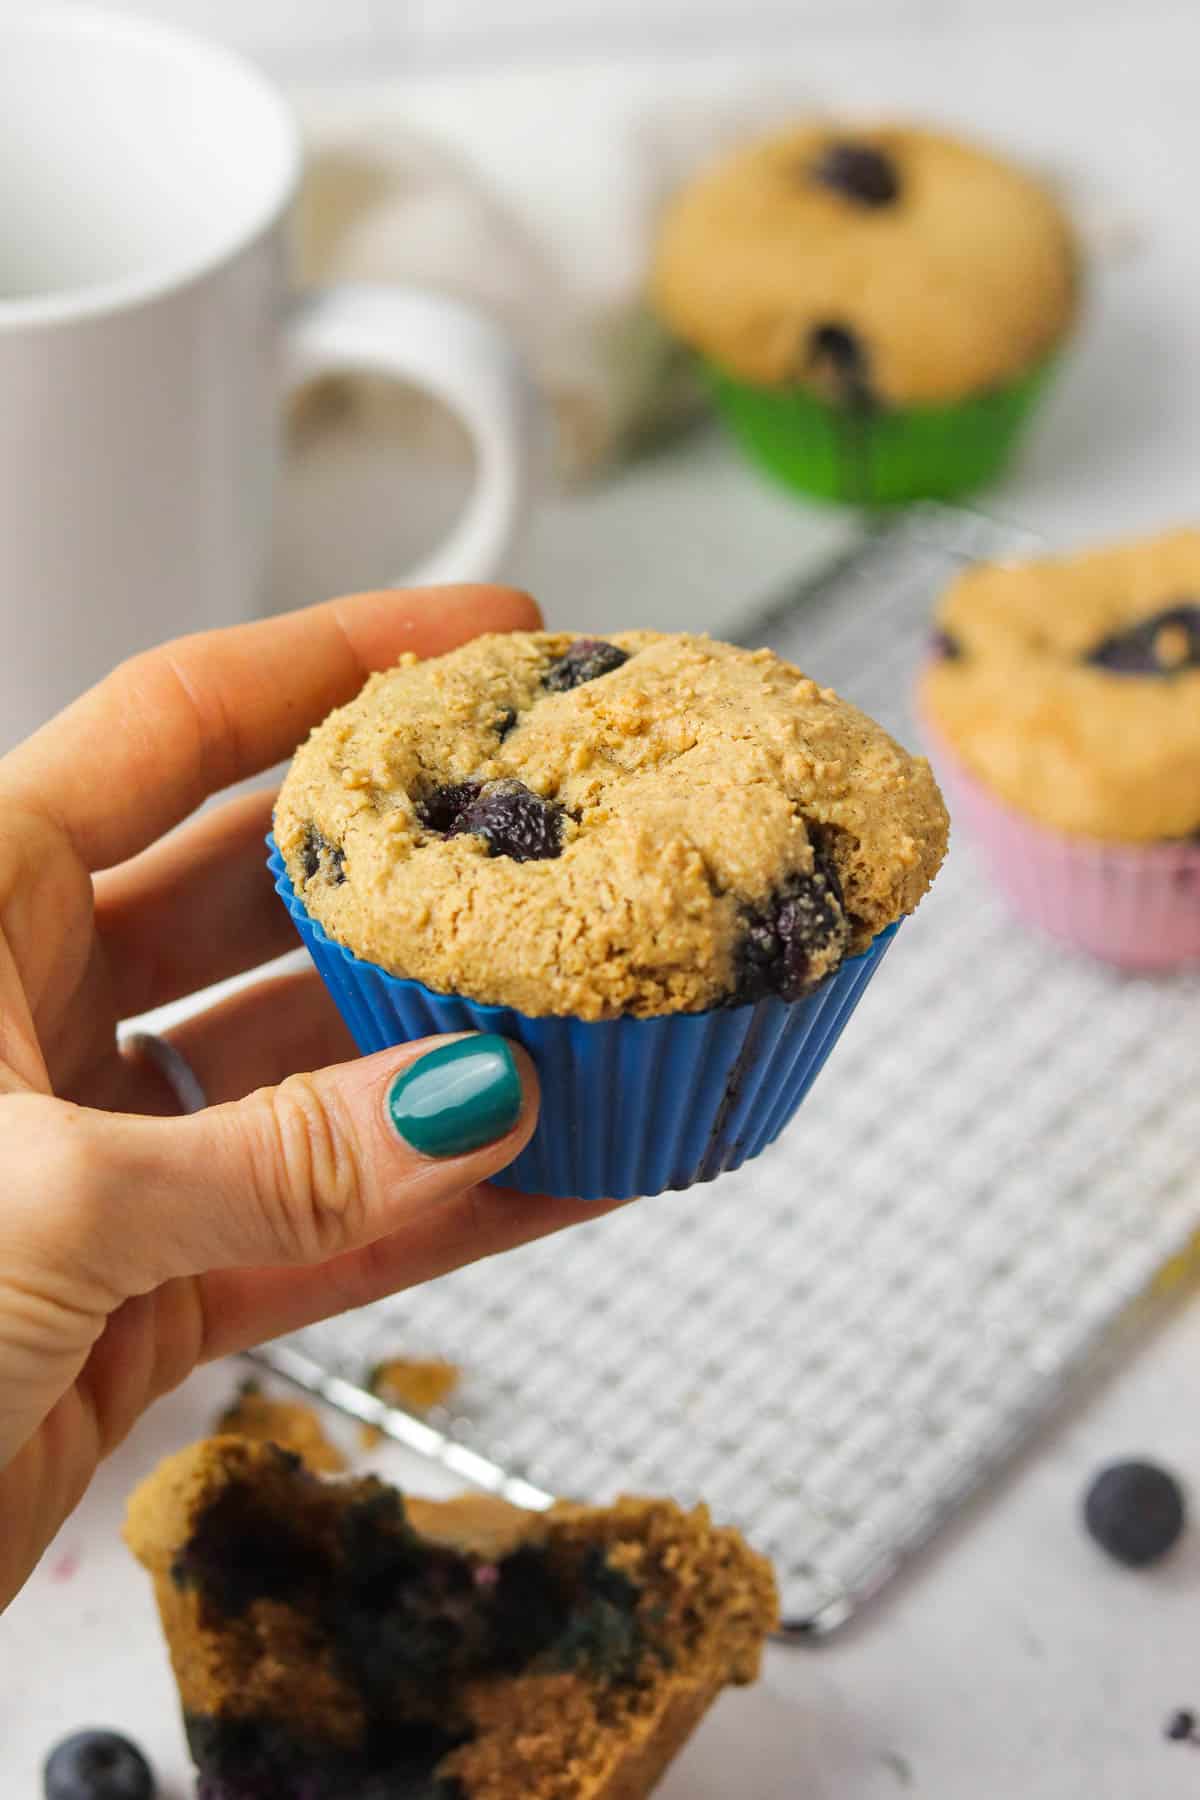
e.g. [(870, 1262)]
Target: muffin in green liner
[(879, 310)]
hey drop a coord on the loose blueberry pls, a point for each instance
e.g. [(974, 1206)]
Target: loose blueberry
[(794, 941), (1164, 644), (945, 646), (97, 1765), (586, 660), (1135, 1511), (1182, 1727), (514, 821), (859, 172)]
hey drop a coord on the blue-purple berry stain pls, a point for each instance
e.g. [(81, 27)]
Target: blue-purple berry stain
[(400, 1618)]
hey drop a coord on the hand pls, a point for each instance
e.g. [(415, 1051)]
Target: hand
[(132, 1245)]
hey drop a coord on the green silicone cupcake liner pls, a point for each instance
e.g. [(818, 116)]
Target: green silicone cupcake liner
[(878, 457)]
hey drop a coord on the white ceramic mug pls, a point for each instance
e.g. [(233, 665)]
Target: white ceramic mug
[(147, 340)]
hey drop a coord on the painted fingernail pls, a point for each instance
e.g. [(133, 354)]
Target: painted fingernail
[(458, 1097)]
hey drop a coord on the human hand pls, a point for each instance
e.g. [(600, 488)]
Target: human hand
[(135, 1245)]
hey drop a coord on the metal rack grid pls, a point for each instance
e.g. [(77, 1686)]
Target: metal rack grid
[(836, 1345)]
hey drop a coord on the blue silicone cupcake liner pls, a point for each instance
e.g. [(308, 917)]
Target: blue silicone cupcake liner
[(629, 1106)]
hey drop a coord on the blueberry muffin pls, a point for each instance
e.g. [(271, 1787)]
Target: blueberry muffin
[(878, 305), (331, 1639), (663, 865), (643, 826), (1064, 697)]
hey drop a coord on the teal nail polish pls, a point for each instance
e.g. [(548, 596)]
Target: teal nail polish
[(458, 1097)]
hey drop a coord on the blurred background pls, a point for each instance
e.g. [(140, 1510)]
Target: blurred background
[(574, 119), (442, 30)]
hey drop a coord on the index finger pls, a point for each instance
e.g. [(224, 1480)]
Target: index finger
[(142, 749)]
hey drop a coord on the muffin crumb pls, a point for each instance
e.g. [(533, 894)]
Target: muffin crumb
[(288, 1423)]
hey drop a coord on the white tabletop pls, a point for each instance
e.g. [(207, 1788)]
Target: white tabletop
[(1013, 1660)]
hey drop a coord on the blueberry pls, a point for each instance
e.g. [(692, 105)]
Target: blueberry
[(442, 807), (945, 646), (1135, 1511), (514, 821), (586, 660), (317, 850), (511, 818), (1182, 1727), (858, 172), (839, 355), (794, 941), (1163, 644), (97, 1765)]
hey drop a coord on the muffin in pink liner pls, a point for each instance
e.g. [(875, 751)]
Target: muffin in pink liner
[(1136, 905), (1062, 709)]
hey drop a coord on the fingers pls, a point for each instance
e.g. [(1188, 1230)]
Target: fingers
[(176, 724), (254, 1038), (297, 1174), (242, 1308), (193, 909)]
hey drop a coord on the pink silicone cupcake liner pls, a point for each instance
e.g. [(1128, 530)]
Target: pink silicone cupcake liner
[(1135, 905)]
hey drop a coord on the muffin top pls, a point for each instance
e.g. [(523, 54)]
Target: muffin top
[(889, 262), (1072, 687), (649, 824)]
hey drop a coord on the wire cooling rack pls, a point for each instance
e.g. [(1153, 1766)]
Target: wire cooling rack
[(836, 1345)]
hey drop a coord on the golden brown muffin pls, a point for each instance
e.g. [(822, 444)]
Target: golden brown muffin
[(926, 268), (331, 1643), (1071, 687), (589, 827)]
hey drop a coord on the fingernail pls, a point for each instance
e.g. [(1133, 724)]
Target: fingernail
[(458, 1097)]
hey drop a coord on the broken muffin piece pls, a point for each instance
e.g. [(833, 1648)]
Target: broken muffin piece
[(332, 1642)]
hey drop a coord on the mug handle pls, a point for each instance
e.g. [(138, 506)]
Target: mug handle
[(439, 344)]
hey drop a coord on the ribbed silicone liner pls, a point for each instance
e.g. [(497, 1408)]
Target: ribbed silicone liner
[(629, 1106), (882, 458), (1134, 905)]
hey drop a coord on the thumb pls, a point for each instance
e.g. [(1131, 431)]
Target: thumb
[(324, 1163)]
